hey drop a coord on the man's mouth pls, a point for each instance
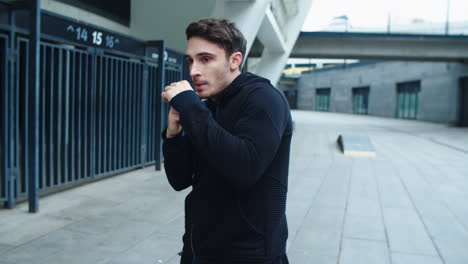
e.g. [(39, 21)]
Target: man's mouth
[(199, 85)]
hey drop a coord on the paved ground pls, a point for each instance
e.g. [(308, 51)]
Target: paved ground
[(408, 205)]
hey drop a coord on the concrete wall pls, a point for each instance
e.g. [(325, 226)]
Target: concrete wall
[(156, 20), (83, 15), (438, 98)]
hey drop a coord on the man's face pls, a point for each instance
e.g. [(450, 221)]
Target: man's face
[(210, 70)]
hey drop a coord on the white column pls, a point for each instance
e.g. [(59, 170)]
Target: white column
[(273, 59)]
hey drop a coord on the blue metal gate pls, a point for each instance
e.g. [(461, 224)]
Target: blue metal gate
[(99, 108)]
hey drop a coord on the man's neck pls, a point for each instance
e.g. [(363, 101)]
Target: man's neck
[(231, 79)]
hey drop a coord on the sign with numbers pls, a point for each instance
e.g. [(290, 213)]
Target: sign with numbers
[(72, 30)]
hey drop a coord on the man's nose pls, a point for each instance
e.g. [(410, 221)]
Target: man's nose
[(194, 70)]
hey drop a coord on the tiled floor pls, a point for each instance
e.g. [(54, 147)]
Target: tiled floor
[(408, 205)]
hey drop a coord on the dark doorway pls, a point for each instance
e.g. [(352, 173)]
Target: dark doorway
[(463, 114)]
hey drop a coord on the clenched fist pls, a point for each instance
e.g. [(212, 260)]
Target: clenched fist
[(174, 89)]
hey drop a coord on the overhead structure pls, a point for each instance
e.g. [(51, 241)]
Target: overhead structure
[(275, 23)]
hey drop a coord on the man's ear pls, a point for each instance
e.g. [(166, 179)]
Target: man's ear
[(235, 60)]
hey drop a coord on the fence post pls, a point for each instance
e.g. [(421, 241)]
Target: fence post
[(9, 142), (33, 150), (159, 87), (144, 117)]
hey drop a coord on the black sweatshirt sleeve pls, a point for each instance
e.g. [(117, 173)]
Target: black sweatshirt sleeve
[(177, 161), (240, 157)]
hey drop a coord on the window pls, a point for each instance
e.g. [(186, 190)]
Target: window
[(322, 99), (361, 100), (408, 99)]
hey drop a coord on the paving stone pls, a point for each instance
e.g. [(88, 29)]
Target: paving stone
[(4, 248), (391, 190), (85, 208), (334, 190), (362, 227), (364, 207), (49, 245), (363, 185), (400, 258), (28, 228), (96, 225), (357, 251), (310, 257), (321, 231), (406, 233), (158, 248)]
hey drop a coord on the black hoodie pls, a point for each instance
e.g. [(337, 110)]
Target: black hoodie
[(235, 155)]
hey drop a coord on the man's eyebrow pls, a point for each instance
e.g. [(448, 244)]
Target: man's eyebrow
[(186, 56)]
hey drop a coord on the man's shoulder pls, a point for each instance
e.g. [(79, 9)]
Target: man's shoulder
[(264, 92)]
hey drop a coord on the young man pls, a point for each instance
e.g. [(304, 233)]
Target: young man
[(232, 148)]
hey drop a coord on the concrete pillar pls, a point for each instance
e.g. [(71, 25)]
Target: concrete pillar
[(273, 58)]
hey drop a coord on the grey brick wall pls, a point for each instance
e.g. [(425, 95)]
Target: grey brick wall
[(438, 99)]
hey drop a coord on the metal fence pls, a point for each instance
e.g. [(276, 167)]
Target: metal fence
[(100, 111)]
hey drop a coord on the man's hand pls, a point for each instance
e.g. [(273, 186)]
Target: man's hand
[(173, 123), (174, 89)]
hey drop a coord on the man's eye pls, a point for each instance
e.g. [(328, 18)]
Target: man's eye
[(205, 59)]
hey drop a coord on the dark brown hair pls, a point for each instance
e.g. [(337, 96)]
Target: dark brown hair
[(221, 32)]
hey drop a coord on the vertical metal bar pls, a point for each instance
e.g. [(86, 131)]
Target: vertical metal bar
[(85, 116), (51, 118), (58, 122), (131, 89), (79, 121), (5, 149), (23, 181), (148, 114), (134, 114), (43, 173), (159, 87), (111, 116), (125, 117), (10, 177), (119, 114), (144, 110), (105, 114), (66, 122), (139, 113), (34, 89), (92, 115), (108, 131), (72, 160), (115, 89), (115, 118), (98, 140), (126, 111)]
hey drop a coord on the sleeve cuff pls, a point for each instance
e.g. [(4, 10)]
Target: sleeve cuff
[(184, 99), (163, 135)]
